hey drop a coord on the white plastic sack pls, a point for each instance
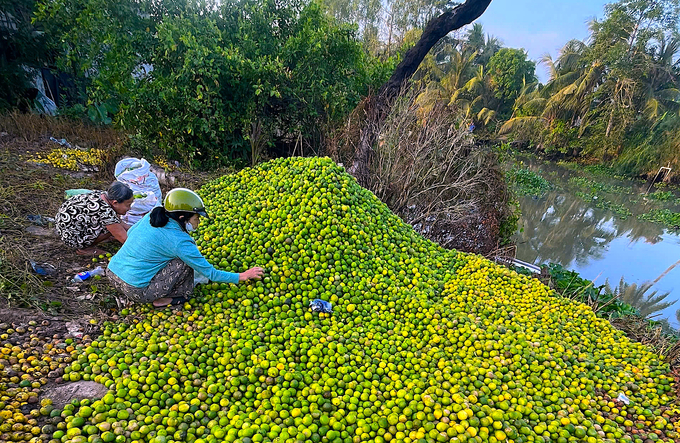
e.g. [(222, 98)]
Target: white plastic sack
[(200, 279), (137, 175)]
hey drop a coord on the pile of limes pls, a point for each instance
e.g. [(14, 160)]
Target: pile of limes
[(423, 345), (28, 361), (70, 158)]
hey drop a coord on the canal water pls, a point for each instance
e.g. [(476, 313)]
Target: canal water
[(596, 233)]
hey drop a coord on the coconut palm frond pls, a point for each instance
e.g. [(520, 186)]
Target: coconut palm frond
[(535, 105), (519, 123), (549, 63), (477, 100), (669, 47), (463, 105), (573, 46), (652, 109), (669, 95), (486, 115), (569, 90), (561, 101), (591, 79), (560, 82)]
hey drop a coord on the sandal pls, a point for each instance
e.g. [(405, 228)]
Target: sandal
[(173, 302), (178, 301)]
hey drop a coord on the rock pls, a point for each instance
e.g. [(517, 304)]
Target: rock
[(56, 373), (60, 395)]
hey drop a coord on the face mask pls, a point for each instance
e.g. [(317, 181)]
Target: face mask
[(189, 227)]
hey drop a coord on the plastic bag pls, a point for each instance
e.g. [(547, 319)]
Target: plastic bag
[(136, 173), (200, 279), (318, 305), (71, 192)]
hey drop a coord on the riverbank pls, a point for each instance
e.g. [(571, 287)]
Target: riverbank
[(588, 220)]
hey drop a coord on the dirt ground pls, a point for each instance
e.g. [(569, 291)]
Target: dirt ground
[(30, 188)]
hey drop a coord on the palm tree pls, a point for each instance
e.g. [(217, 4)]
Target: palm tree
[(476, 98), (443, 81), (659, 89), (485, 47), (565, 96)]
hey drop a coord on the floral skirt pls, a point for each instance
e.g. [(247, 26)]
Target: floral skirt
[(176, 279)]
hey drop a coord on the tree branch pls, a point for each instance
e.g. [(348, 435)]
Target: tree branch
[(378, 107), (435, 30)]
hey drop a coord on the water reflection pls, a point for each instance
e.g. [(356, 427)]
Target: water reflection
[(562, 228)]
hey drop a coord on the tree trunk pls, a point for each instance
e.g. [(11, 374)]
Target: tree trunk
[(611, 121), (378, 106)]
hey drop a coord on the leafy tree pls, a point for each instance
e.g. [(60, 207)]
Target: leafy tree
[(510, 70), (616, 97), (456, 75), (201, 80), (100, 43)]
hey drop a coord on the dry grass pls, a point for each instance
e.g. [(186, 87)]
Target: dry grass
[(32, 128), (426, 168), (27, 188), (642, 331)]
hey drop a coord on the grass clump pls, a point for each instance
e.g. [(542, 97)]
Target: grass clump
[(527, 182)]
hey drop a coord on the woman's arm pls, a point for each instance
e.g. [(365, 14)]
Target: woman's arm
[(118, 231), (189, 254)]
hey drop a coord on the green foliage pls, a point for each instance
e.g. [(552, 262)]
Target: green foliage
[(663, 216), (195, 78), (599, 187), (100, 43), (510, 224), (662, 196), (619, 209), (571, 285), (604, 170), (527, 182), (616, 98), (559, 137), (594, 192), (510, 70)]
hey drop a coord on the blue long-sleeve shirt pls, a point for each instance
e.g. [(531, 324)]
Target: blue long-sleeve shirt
[(147, 250)]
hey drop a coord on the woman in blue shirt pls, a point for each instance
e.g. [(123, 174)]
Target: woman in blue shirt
[(157, 262)]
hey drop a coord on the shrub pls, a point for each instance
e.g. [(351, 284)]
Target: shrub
[(20, 47), (426, 168)]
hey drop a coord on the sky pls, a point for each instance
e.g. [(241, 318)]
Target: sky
[(540, 26)]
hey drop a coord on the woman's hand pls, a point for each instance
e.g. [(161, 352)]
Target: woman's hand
[(252, 273)]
